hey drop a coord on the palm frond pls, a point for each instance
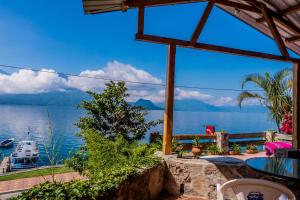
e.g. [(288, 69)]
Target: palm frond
[(259, 80), (248, 95)]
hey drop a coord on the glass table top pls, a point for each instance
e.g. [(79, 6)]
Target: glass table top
[(287, 168)]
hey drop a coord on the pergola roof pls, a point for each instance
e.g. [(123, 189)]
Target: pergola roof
[(285, 13)]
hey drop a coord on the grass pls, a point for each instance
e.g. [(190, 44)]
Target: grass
[(34, 173)]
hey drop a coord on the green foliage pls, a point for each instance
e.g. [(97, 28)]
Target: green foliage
[(157, 144), (110, 115), (196, 141), (101, 187), (236, 148), (213, 149), (105, 153), (276, 95), (251, 147), (78, 160)]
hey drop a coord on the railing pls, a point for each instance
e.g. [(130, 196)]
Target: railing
[(224, 140)]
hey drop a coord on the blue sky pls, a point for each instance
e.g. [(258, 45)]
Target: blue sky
[(57, 35)]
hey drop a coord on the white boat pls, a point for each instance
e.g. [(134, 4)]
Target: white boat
[(24, 156), (7, 142)]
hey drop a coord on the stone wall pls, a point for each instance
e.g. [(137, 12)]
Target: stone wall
[(147, 186), (191, 177), (198, 177)]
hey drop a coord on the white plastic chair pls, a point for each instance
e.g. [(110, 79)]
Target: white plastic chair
[(255, 189)]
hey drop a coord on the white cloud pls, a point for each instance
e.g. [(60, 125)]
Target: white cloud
[(27, 81), (187, 94), (224, 101), (47, 80)]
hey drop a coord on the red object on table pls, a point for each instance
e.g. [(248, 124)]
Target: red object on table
[(210, 130)]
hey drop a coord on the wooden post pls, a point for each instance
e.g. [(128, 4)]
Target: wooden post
[(169, 100), (141, 14), (296, 105)]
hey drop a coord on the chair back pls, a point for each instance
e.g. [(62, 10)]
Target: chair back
[(255, 189)]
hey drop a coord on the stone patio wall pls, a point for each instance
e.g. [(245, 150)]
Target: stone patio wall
[(147, 186), (198, 177)]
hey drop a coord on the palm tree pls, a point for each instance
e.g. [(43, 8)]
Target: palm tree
[(275, 94)]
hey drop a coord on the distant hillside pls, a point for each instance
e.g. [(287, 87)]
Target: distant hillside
[(70, 98), (149, 105), (3, 72), (74, 98)]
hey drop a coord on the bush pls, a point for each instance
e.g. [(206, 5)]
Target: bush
[(101, 187)]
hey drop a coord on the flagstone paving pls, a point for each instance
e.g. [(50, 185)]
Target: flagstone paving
[(27, 183)]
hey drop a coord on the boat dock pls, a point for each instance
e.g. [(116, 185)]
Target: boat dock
[(4, 167)]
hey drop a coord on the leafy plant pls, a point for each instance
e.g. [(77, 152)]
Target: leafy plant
[(251, 147), (52, 149), (276, 94), (236, 148), (110, 115), (213, 149), (196, 141)]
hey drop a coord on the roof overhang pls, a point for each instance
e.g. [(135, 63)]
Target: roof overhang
[(284, 14)]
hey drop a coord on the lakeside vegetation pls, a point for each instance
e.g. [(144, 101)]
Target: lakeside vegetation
[(35, 173), (275, 95), (112, 152)]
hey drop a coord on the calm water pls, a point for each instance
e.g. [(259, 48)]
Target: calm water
[(15, 121)]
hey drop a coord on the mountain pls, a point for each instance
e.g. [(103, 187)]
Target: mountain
[(3, 72), (74, 98), (199, 106), (69, 98), (194, 105), (149, 105)]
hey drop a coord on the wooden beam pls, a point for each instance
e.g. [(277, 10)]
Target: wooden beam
[(286, 11), (141, 16), (292, 39), (278, 18), (215, 48), (296, 105), (290, 9), (169, 100), (202, 22), (274, 31), (137, 3), (238, 5)]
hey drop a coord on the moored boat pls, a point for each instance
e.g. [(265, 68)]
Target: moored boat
[(24, 156), (7, 142)]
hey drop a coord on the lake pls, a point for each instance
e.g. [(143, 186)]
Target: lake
[(15, 121)]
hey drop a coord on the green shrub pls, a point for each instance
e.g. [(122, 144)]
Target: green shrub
[(236, 148), (101, 187)]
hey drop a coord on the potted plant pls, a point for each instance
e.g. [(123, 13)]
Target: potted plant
[(179, 151), (251, 149), (196, 149), (235, 149), (212, 150)]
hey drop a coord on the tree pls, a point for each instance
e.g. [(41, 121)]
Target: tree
[(275, 95), (110, 115)]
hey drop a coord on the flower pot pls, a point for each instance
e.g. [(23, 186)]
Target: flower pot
[(253, 151), (234, 153), (196, 151)]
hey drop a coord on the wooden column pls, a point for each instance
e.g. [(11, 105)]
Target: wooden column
[(169, 100), (296, 105)]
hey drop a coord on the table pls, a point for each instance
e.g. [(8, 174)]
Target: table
[(285, 168)]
